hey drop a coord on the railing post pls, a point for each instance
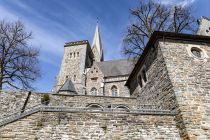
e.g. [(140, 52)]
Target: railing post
[(26, 101)]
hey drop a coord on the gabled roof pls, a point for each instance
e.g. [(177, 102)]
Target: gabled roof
[(115, 67), (68, 86)]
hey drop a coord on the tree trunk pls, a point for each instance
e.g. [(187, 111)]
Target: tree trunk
[(1, 82)]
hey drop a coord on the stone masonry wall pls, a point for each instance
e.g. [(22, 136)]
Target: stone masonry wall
[(94, 126), (83, 125), (158, 88), (11, 102), (190, 78), (84, 100), (122, 89)]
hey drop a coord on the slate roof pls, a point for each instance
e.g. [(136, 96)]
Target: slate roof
[(116, 67), (68, 86)]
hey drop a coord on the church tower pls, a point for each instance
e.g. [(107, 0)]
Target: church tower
[(97, 48), (77, 58)]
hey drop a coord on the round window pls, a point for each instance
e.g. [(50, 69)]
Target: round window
[(196, 52)]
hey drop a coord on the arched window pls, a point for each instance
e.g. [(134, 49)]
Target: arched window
[(93, 91), (114, 91)]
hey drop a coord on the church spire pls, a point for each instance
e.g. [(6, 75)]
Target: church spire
[(97, 45)]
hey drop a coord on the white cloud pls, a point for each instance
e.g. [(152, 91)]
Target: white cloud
[(182, 3), (42, 39)]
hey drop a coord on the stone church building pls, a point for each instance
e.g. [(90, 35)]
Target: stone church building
[(84, 71), (164, 96)]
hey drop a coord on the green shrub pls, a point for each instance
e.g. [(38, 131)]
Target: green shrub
[(45, 99)]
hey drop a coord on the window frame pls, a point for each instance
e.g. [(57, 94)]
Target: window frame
[(114, 91)]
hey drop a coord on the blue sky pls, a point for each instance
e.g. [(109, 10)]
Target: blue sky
[(54, 22)]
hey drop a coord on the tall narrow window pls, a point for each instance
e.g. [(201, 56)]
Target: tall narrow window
[(67, 77), (140, 81), (144, 76), (77, 54), (74, 54), (75, 77), (93, 91), (70, 55), (114, 91)]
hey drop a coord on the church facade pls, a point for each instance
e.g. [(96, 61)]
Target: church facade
[(83, 70)]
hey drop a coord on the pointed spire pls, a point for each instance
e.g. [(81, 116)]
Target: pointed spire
[(97, 45)]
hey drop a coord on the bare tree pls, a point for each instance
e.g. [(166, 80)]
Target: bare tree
[(18, 61), (150, 17)]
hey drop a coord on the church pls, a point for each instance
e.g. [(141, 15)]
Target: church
[(84, 71), (165, 95)]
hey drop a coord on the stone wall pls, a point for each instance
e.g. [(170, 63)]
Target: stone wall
[(119, 82), (84, 100), (190, 78), (83, 125), (13, 101), (158, 89), (94, 126)]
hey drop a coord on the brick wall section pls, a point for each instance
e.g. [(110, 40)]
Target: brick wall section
[(158, 89), (191, 79), (44, 126)]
